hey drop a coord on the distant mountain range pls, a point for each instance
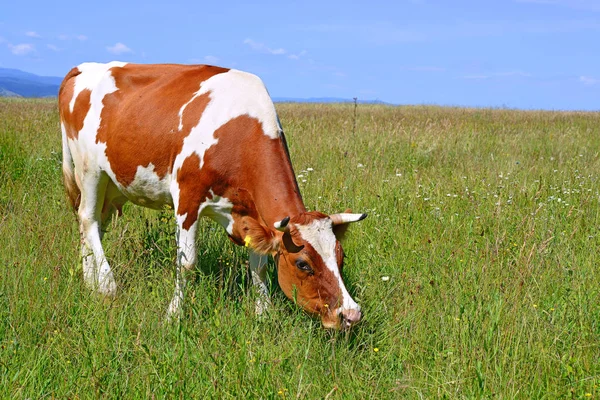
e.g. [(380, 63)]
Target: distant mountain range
[(17, 83)]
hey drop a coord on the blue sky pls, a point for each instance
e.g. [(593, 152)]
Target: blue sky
[(513, 53)]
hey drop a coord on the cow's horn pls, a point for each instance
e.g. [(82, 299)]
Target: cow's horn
[(346, 218), (282, 225)]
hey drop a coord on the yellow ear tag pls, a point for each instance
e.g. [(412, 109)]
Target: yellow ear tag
[(247, 240)]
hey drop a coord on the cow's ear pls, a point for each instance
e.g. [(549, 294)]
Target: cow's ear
[(258, 238), (342, 221)]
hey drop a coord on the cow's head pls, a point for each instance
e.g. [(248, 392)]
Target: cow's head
[(310, 258)]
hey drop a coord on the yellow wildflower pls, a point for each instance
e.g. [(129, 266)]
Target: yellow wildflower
[(247, 240)]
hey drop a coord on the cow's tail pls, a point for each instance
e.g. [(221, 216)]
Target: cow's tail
[(69, 180)]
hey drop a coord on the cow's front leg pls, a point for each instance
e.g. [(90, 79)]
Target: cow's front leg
[(258, 270), (186, 260)]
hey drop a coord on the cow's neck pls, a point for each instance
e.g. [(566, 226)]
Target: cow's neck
[(275, 192), (270, 179), (277, 201)]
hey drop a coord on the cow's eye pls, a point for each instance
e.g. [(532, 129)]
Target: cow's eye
[(303, 266)]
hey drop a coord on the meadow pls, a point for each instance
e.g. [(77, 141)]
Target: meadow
[(477, 268)]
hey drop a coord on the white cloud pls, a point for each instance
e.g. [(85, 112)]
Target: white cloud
[(211, 59), (53, 47), (261, 47), (21, 49), (33, 34), (63, 37), (81, 38), (119, 48), (297, 56), (588, 80)]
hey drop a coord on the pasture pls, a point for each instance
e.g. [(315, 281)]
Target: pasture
[(477, 268)]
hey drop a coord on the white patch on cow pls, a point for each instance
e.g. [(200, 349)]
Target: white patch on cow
[(218, 209), (232, 94), (92, 77), (319, 234), (148, 189)]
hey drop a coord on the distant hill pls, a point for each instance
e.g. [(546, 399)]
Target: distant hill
[(7, 93), (17, 83)]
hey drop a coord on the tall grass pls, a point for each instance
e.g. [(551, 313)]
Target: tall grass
[(477, 268)]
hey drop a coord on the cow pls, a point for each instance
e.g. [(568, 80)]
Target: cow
[(205, 141)]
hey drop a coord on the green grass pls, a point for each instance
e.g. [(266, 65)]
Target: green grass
[(486, 222)]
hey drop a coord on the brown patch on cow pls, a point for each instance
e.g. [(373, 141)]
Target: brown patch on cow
[(195, 186), (192, 191), (73, 121), (247, 158), (80, 110), (140, 121)]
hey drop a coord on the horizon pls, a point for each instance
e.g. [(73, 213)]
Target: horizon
[(517, 54)]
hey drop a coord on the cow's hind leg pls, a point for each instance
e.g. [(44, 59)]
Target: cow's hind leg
[(96, 271), (113, 204)]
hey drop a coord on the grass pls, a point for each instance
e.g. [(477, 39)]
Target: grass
[(485, 221)]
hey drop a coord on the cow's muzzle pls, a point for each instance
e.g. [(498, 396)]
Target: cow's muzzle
[(349, 318)]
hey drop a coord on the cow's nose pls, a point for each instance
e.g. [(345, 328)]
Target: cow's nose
[(350, 317)]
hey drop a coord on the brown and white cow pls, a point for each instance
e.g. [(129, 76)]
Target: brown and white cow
[(206, 141)]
